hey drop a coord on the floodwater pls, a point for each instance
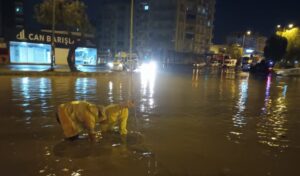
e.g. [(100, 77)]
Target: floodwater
[(185, 123)]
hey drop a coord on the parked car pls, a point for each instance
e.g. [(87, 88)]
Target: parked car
[(230, 63), (116, 65)]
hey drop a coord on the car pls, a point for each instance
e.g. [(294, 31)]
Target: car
[(116, 65), (199, 64), (230, 63)]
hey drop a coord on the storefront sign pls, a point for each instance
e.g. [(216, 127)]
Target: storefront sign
[(44, 38)]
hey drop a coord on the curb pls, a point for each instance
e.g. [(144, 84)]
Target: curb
[(43, 73)]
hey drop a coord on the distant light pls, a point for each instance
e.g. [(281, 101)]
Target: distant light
[(249, 50), (110, 64), (291, 26), (278, 26), (248, 33), (18, 9), (146, 7)]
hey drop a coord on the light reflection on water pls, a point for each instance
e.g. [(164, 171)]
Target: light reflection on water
[(147, 91), (239, 118), (32, 94), (271, 127)]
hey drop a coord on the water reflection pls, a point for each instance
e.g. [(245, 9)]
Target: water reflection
[(272, 127), (32, 93), (147, 90), (110, 92), (195, 78), (85, 88), (239, 119)]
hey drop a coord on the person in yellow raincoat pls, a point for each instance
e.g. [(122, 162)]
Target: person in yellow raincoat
[(76, 116), (116, 114)]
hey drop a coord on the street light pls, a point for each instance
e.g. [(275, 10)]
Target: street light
[(244, 38), (131, 35), (291, 26)]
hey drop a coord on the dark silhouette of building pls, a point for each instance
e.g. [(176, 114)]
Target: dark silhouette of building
[(11, 16), (255, 41), (194, 26), (113, 26), (173, 26)]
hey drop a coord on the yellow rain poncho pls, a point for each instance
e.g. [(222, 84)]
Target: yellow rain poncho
[(77, 116), (114, 114)]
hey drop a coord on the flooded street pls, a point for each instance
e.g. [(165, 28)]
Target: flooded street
[(189, 122)]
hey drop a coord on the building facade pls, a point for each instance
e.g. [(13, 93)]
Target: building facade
[(23, 45), (254, 43), (11, 15), (11, 18), (194, 26), (113, 26), (167, 28)]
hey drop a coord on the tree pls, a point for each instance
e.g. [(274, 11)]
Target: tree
[(70, 15), (275, 48)]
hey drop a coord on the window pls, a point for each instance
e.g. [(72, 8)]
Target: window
[(23, 52), (146, 7), (189, 35), (86, 56), (19, 10)]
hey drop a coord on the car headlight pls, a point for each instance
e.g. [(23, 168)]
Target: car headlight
[(110, 64)]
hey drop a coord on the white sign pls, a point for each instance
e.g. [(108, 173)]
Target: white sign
[(44, 38)]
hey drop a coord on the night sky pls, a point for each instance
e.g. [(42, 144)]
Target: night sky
[(260, 16)]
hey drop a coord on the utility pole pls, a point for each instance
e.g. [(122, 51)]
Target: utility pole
[(131, 35), (53, 36)]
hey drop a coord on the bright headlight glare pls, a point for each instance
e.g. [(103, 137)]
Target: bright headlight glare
[(110, 64)]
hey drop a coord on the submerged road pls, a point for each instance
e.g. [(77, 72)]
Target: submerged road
[(186, 122)]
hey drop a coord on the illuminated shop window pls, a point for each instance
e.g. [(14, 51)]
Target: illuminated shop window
[(86, 56), (23, 52), (146, 7)]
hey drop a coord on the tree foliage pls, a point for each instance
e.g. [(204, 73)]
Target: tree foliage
[(235, 51), (276, 47), (69, 15)]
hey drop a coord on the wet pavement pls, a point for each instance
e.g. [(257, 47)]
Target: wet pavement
[(186, 122), (58, 68)]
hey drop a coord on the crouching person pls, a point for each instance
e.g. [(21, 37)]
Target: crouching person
[(116, 114), (77, 116)]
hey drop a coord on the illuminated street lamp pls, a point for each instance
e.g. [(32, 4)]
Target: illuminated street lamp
[(131, 35), (248, 33), (291, 26)]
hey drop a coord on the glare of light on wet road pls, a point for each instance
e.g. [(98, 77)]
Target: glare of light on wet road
[(148, 77), (110, 91), (239, 119), (272, 126)]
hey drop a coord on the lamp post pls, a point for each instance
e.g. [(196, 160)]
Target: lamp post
[(53, 36), (131, 34), (248, 33)]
